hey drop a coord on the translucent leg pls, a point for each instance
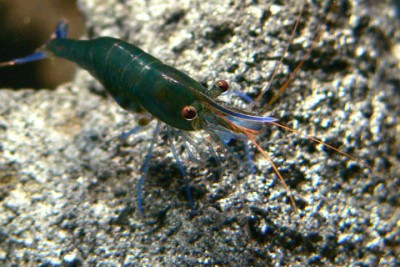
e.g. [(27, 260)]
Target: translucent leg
[(182, 169), (126, 135), (146, 168), (249, 159)]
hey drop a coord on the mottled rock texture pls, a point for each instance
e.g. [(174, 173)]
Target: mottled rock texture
[(68, 183)]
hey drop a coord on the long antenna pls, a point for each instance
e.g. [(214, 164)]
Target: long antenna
[(268, 85)]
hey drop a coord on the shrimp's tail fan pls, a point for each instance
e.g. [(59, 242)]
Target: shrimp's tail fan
[(60, 33)]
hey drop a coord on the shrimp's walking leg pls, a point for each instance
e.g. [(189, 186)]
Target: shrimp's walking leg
[(126, 135), (249, 159), (245, 141), (61, 32), (182, 169), (146, 168)]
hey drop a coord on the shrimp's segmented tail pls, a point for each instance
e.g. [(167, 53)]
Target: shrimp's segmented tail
[(61, 32)]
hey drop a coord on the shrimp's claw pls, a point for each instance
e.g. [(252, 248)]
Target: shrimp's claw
[(61, 32)]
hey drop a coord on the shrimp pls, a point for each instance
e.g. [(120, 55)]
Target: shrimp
[(140, 83)]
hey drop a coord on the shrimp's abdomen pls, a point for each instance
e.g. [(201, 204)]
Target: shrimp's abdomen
[(116, 64), (135, 79)]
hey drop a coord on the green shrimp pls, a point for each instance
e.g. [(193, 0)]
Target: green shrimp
[(141, 83)]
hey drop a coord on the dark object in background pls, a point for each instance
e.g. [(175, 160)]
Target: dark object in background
[(23, 28)]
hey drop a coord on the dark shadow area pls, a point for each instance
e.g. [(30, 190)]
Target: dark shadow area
[(25, 26)]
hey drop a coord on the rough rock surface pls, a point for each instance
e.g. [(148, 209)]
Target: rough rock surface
[(68, 183)]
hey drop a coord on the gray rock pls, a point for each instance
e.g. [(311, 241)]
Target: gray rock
[(68, 183)]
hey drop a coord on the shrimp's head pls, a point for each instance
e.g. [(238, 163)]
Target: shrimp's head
[(205, 113)]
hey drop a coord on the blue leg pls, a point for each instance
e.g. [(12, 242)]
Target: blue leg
[(126, 135), (182, 169), (146, 168), (62, 29), (249, 159)]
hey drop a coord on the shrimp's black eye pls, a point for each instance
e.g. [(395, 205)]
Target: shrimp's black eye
[(223, 85), (189, 113)]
